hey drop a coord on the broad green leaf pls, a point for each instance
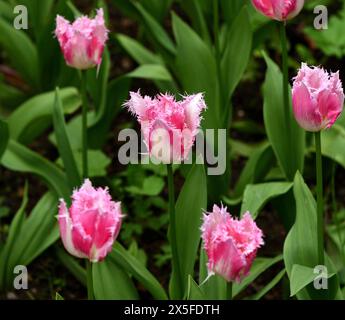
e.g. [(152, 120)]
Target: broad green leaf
[(19, 158), (300, 247), (111, 282), (333, 144), (231, 10), (63, 143), (158, 8), (269, 286), (151, 72), (21, 51), (137, 51), (127, 262), (38, 232), (257, 195), (259, 266), (237, 51), (34, 116), (193, 290), (189, 208), (15, 228), (155, 29), (289, 150), (58, 296), (152, 186), (4, 136), (196, 69), (71, 264)]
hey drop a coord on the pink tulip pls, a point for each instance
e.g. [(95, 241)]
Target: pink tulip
[(230, 244), (317, 98), (169, 126), (83, 41), (90, 226), (280, 10)]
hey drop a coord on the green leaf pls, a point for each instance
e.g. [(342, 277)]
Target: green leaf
[(333, 144), (158, 8), (193, 58), (71, 264), (151, 72), (19, 158), (63, 143), (257, 195), (189, 208), (259, 266), (300, 247), (15, 228), (34, 116), (58, 296), (152, 186), (237, 51), (269, 286), (38, 232), (4, 134), (137, 51), (289, 150), (111, 282), (155, 29), (193, 290), (127, 262), (21, 51)]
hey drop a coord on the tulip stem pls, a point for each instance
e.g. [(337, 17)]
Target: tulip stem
[(90, 295), (83, 79), (229, 290), (173, 240), (285, 77), (319, 192)]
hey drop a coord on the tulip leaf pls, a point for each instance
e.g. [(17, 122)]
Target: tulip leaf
[(257, 195), (193, 290), (58, 296), (193, 58), (111, 282), (333, 144), (289, 149), (138, 270), (63, 143), (151, 72), (300, 244), (4, 134), (34, 116), (189, 208), (21, 51), (19, 158)]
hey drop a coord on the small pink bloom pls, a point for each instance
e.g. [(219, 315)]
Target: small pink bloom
[(169, 126), (83, 41), (280, 10), (90, 226), (230, 244), (317, 98)]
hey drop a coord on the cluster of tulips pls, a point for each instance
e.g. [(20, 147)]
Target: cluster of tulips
[(92, 223)]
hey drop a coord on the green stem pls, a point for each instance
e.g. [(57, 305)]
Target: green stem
[(319, 192), (90, 295), (229, 290), (173, 240), (285, 78), (84, 124)]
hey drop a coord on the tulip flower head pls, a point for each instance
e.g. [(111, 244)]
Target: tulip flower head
[(317, 98), (90, 226), (169, 127), (280, 10), (82, 42), (230, 244)]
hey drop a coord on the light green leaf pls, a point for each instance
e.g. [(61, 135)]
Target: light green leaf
[(4, 134), (152, 186), (189, 208), (151, 72), (34, 116), (289, 150), (257, 195), (193, 290)]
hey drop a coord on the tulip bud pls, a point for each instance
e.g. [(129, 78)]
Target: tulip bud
[(280, 10), (169, 126), (83, 41), (90, 226), (230, 244), (317, 98)]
